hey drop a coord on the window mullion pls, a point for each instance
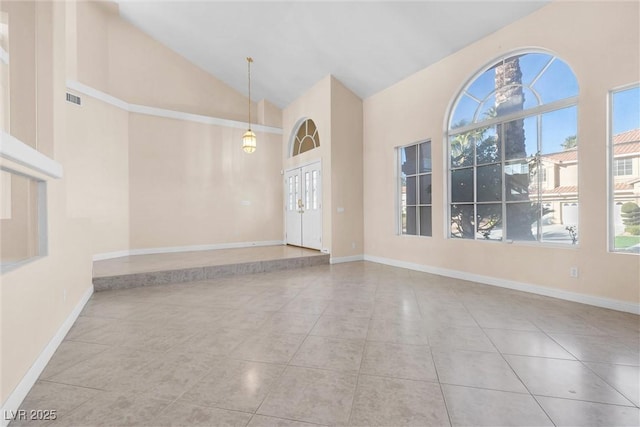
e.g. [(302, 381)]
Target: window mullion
[(540, 109), (538, 166), (503, 149)]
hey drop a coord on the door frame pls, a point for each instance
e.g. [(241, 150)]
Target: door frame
[(284, 198)]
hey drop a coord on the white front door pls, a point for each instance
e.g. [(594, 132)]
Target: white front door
[(303, 206)]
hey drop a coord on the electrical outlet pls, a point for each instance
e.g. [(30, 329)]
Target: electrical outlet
[(353, 245), (573, 272)]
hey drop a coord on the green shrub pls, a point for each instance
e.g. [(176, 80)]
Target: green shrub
[(630, 213), (634, 230)]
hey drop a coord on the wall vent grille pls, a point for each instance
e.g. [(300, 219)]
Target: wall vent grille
[(74, 99)]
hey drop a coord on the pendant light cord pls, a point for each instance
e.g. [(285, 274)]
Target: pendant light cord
[(249, 61)]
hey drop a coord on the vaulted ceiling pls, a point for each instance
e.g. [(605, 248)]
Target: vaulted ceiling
[(366, 45)]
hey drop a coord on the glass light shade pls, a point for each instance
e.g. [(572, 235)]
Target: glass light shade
[(249, 142)]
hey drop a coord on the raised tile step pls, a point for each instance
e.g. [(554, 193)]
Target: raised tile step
[(193, 274)]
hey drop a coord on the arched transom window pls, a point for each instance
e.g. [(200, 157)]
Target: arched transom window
[(513, 159), (306, 138)]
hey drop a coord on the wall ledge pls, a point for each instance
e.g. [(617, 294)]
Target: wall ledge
[(193, 248), (596, 301), (15, 399), (14, 150), (169, 114)]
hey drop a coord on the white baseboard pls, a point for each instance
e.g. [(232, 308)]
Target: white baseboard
[(612, 304), (340, 260), (194, 248), (15, 399), (110, 255)]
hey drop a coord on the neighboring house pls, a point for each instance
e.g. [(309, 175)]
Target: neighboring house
[(560, 180)]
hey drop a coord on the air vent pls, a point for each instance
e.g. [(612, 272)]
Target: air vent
[(73, 99)]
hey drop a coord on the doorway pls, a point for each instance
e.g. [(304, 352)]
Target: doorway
[(303, 206)]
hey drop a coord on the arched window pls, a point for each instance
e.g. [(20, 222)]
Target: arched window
[(306, 138), (512, 144)]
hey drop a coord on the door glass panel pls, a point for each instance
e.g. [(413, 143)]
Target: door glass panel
[(297, 189), (314, 190), (291, 195), (307, 190)]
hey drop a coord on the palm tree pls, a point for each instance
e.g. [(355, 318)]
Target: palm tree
[(510, 99)]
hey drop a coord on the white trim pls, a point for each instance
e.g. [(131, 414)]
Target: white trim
[(340, 260), (11, 148), (194, 248), (4, 56), (160, 112), (16, 397), (613, 304), (111, 255)]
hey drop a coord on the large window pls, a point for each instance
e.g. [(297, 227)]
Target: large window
[(624, 152), (513, 155), (415, 189)]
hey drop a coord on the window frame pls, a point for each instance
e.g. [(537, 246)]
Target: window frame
[(296, 141), (611, 202), (536, 111), (627, 161), (417, 175)]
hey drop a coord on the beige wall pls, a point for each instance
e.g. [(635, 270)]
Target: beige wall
[(346, 172), (22, 69), (37, 297), (191, 184), (157, 182), (269, 114), (417, 107), (98, 171)]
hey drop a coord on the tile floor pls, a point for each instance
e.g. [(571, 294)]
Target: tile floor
[(349, 344)]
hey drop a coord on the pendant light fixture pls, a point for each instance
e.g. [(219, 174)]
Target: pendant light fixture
[(249, 140)]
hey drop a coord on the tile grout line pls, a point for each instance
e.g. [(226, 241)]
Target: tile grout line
[(435, 368), (364, 350), (521, 381), (594, 372), (276, 382)]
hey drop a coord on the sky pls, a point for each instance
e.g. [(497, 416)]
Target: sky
[(626, 110)]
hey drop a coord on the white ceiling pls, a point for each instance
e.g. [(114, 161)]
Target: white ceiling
[(366, 45)]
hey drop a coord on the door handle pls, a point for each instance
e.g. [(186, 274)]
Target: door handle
[(300, 206)]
